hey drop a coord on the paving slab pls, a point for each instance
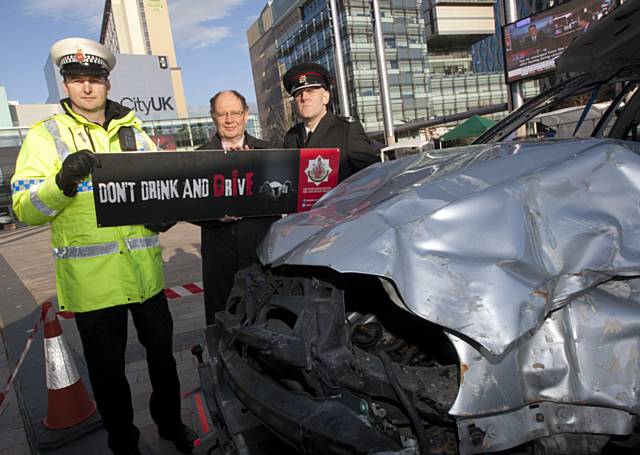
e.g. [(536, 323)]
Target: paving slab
[(26, 281)]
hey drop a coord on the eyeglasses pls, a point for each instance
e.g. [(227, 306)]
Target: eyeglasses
[(235, 115)]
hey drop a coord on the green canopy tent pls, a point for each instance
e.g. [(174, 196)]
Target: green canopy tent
[(474, 126)]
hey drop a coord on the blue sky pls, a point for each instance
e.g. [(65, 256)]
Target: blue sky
[(210, 39)]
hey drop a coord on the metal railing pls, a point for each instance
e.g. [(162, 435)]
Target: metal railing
[(12, 136), (193, 132), (187, 133), (418, 125)]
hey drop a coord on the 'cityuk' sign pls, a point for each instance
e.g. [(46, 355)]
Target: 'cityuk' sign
[(152, 187), (147, 107), (139, 82), (143, 83)]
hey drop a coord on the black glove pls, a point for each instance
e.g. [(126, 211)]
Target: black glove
[(159, 227), (75, 168)]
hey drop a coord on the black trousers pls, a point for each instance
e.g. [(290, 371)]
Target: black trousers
[(227, 248), (104, 340)]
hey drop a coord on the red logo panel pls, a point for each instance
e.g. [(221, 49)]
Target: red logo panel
[(318, 174)]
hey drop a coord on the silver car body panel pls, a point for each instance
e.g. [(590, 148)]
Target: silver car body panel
[(484, 240), (542, 420), (588, 352), (511, 248)]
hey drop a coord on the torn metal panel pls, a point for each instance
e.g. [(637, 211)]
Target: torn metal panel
[(501, 432), (484, 240), (586, 352)]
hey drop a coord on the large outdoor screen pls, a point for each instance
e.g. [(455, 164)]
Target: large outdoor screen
[(532, 44)]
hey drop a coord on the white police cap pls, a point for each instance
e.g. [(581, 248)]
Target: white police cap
[(82, 56)]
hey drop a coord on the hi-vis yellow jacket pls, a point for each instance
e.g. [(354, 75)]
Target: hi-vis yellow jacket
[(95, 267)]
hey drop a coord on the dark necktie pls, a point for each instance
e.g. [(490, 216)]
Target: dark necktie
[(306, 141)]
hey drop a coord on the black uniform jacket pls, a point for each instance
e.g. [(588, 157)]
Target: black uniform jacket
[(356, 150)]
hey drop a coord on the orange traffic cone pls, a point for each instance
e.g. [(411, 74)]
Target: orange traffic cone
[(68, 400)]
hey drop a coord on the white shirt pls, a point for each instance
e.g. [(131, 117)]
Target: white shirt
[(229, 145)]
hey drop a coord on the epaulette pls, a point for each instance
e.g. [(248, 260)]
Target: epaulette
[(44, 120), (346, 119)]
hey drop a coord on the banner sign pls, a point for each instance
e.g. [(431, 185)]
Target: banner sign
[(152, 187)]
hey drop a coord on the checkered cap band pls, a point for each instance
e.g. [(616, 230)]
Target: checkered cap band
[(85, 186), (24, 185), (87, 60)]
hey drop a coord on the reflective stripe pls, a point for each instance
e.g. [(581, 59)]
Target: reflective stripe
[(143, 243), (85, 186), (142, 140), (38, 204), (23, 185), (52, 127), (60, 371), (90, 251)]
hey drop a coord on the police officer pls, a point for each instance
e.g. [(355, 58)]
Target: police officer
[(102, 274), (229, 244), (309, 84)]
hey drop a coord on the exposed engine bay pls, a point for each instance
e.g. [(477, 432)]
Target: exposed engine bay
[(379, 373), (329, 364)]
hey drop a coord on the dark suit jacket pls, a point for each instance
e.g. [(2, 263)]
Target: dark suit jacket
[(247, 232), (356, 150), (216, 144), (252, 142), (542, 41), (229, 247)]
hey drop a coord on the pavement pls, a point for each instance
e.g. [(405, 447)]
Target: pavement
[(26, 281)]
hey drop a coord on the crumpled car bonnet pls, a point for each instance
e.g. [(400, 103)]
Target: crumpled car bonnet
[(483, 240)]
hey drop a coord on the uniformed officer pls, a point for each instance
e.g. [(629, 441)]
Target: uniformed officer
[(309, 84), (102, 274)]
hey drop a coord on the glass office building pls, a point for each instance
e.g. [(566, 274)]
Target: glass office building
[(486, 54), (425, 81)]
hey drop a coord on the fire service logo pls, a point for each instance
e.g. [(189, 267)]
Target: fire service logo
[(318, 170)]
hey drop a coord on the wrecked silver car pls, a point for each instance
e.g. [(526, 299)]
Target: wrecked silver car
[(468, 300)]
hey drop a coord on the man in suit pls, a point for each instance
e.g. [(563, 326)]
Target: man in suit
[(584, 20), (536, 40), (229, 244), (309, 85)]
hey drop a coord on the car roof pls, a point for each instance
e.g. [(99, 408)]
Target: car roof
[(609, 44)]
